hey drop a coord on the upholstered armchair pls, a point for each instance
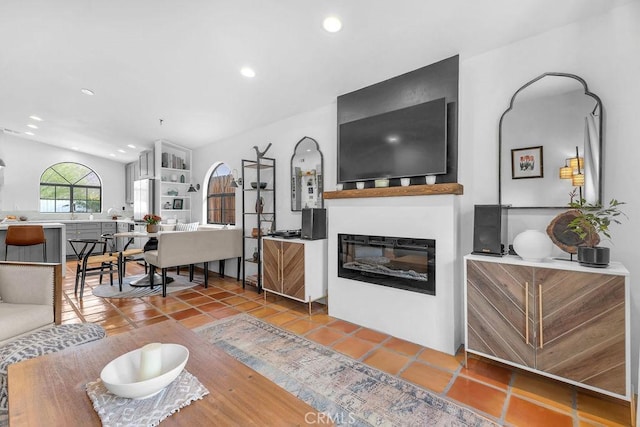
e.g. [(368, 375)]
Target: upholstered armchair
[(31, 295)]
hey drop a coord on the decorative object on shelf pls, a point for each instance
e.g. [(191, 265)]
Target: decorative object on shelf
[(167, 205), (566, 239), (254, 257), (152, 221), (339, 186), (430, 179), (259, 205), (177, 203), (182, 179), (255, 232), (360, 185), (381, 183), (263, 185), (532, 245), (405, 182), (174, 178), (594, 219), (193, 189), (172, 192)]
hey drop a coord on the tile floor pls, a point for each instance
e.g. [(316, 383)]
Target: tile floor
[(510, 397)]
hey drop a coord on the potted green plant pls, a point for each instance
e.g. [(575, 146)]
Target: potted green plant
[(591, 220), (152, 221)]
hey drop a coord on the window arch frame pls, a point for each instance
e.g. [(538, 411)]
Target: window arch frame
[(206, 195), (71, 190)]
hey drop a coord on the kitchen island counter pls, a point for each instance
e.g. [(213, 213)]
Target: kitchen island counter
[(54, 232)]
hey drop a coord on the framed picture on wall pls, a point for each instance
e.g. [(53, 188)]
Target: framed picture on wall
[(526, 163), (177, 203)]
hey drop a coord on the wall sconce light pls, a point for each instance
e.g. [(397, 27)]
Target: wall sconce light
[(193, 189), (235, 183)]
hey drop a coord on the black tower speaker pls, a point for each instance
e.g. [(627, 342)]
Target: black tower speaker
[(489, 230), (314, 224)]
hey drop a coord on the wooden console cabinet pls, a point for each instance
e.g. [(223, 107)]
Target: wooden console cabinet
[(295, 268), (555, 318)]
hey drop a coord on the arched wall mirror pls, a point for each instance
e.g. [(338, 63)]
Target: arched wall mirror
[(550, 142), (307, 174)]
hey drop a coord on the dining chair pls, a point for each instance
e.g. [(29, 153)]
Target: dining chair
[(25, 235), (94, 259)]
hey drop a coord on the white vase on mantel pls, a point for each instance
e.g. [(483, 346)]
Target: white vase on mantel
[(533, 245)]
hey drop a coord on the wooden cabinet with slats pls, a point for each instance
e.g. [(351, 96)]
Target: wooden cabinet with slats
[(554, 318), (295, 268)]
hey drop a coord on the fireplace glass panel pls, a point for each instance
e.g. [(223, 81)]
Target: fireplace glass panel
[(397, 262)]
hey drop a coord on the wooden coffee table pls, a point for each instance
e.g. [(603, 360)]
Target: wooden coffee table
[(50, 390)]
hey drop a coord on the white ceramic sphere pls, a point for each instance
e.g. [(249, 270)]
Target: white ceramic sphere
[(533, 245)]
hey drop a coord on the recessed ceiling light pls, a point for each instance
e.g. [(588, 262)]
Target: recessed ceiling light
[(131, 146), (87, 91), (247, 72), (32, 126), (332, 24), (29, 133), (36, 118), (75, 148), (112, 155), (121, 150)]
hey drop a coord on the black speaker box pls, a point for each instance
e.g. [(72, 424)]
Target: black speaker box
[(314, 224), (489, 230)]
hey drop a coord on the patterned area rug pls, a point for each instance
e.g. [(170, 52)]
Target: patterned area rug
[(349, 392), (44, 341), (179, 283)]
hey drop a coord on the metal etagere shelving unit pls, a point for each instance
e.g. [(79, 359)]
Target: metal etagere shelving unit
[(258, 213)]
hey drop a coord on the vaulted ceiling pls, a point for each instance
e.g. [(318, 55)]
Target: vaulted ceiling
[(170, 68)]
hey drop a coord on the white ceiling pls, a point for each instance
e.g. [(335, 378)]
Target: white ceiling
[(179, 60)]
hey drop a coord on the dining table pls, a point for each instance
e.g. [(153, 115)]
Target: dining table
[(142, 280)]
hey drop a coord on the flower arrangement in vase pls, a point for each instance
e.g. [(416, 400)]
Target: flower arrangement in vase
[(152, 221), (591, 221)]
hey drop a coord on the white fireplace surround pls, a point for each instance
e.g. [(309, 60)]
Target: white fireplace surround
[(431, 321)]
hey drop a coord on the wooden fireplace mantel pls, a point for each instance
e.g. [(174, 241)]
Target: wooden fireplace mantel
[(412, 190)]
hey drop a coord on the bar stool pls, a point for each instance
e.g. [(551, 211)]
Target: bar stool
[(25, 235)]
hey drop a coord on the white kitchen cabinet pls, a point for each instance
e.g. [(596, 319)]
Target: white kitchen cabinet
[(146, 164)]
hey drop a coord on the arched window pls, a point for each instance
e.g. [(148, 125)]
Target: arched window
[(70, 187), (221, 197)]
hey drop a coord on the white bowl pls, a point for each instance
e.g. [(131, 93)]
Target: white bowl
[(121, 376)]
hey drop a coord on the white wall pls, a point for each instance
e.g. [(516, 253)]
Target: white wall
[(319, 124), (603, 51), (26, 160)]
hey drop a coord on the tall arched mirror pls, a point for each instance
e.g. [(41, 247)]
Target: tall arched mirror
[(306, 175), (551, 144)]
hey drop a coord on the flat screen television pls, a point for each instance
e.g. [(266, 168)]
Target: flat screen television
[(408, 142)]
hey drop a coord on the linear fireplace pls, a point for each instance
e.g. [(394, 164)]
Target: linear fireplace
[(397, 262)]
